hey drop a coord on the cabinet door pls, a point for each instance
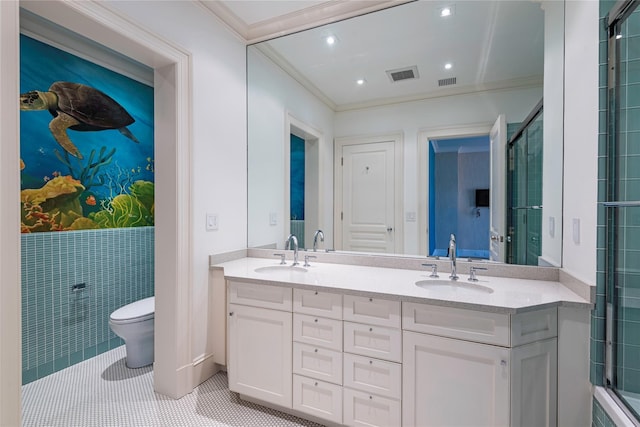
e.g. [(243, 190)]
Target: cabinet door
[(259, 363), (534, 384), (448, 382)]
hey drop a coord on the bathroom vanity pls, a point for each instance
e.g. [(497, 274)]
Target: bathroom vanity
[(355, 345)]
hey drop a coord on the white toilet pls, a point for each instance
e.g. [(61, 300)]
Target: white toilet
[(134, 324)]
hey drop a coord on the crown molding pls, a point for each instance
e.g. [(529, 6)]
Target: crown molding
[(310, 17)]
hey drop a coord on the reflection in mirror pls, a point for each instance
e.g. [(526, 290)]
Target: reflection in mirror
[(410, 76)]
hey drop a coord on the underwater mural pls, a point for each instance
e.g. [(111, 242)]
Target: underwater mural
[(86, 144)]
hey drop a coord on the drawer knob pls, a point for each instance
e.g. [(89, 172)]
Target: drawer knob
[(370, 329), (370, 362), (315, 351), (231, 313), (370, 397), (315, 320), (316, 384), (370, 299), (316, 293), (503, 362)]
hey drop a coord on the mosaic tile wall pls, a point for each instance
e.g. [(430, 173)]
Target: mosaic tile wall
[(62, 326)]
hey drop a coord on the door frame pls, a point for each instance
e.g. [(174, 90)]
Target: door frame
[(398, 143), (424, 138), (314, 175)]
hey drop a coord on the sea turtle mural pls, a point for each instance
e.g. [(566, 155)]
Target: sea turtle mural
[(78, 107)]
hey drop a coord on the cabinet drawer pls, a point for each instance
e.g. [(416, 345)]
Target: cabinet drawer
[(374, 341), (317, 331), (470, 325), (372, 375), (364, 409), (318, 398), (265, 296), (317, 303), (534, 326), (373, 311), (317, 362)]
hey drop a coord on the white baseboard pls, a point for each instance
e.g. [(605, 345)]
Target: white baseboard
[(204, 367)]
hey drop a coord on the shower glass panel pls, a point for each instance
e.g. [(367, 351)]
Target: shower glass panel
[(525, 192), (623, 207)]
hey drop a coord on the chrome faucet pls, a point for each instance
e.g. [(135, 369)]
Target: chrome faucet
[(293, 239), (315, 239), (452, 256)]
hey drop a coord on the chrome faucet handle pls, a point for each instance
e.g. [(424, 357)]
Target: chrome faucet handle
[(306, 260), (282, 258), (472, 273), (434, 269)]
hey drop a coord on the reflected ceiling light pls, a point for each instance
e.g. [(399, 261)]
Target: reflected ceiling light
[(446, 11), (448, 66), (618, 36), (360, 82), (331, 40)]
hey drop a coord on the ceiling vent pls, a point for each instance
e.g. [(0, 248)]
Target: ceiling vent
[(407, 73), (447, 82)]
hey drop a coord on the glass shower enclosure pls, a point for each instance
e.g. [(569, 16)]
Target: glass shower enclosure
[(524, 191), (622, 207)]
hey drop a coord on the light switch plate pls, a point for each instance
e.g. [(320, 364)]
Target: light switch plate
[(273, 218), (212, 221), (576, 231), (552, 226)]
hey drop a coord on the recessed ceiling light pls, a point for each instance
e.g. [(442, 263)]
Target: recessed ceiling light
[(446, 11), (360, 82), (448, 66), (331, 40)]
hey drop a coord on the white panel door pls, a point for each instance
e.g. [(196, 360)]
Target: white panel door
[(368, 197), (497, 228), (260, 353), (448, 382)]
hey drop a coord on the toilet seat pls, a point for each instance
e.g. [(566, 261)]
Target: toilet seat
[(137, 311)]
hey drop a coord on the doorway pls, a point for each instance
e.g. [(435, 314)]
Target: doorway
[(426, 175), (458, 194), (303, 177)]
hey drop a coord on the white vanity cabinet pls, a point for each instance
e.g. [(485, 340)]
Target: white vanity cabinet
[(463, 367), (259, 362), (351, 360)]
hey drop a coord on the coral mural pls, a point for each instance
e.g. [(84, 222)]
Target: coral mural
[(86, 144)]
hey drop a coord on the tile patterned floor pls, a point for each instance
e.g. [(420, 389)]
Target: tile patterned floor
[(103, 392)]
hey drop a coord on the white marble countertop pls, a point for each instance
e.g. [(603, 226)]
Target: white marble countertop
[(508, 295)]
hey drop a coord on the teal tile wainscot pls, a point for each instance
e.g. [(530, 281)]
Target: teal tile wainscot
[(71, 283)]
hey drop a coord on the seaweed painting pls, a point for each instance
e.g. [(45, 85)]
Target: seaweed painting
[(86, 144)]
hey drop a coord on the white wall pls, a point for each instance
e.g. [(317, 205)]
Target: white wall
[(431, 114), (218, 132), (581, 138), (272, 95)]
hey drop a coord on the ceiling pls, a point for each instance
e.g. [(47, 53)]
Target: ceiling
[(490, 45)]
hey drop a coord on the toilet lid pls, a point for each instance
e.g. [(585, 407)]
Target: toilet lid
[(136, 310)]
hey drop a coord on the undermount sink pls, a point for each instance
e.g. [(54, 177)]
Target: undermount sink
[(281, 268), (454, 286)]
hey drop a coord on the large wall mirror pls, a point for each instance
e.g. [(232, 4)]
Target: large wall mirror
[(393, 130)]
